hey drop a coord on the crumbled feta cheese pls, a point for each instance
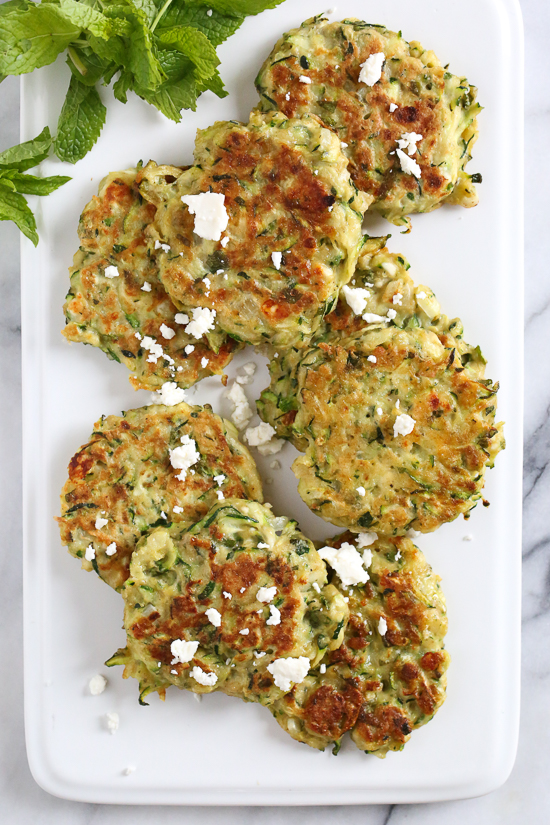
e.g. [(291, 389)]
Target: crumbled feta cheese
[(347, 563), (408, 142), (146, 287), (166, 332), (184, 457), (390, 268), (272, 447), (203, 321), (181, 318), (403, 425), (242, 588), (244, 632), (260, 434), (371, 69), (129, 770), (373, 318), (226, 595), (397, 555), (343, 144), (260, 654), (155, 350), (262, 545), (372, 359), (214, 616), (89, 555), (204, 362), (97, 684), (393, 107), (207, 282), (304, 79), (189, 349), (366, 539), (391, 314), (382, 626), (285, 672), (421, 295), (356, 299), (169, 394), (111, 549), (101, 522), (367, 557), (266, 594), (206, 679), (361, 490), (467, 537), (182, 651), (379, 411), (220, 495), (397, 299), (413, 534), (408, 165), (397, 404), (219, 479), (316, 587), (111, 272), (276, 257), (177, 508), (322, 669), (211, 216), (242, 412), (224, 241), (113, 721), (287, 96), (275, 465), (274, 615), (164, 246), (138, 336)]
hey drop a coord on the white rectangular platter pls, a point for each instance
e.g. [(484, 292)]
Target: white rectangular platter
[(221, 751)]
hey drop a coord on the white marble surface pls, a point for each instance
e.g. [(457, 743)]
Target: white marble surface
[(526, 795)]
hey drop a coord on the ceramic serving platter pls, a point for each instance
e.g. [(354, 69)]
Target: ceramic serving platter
[(222, 751)]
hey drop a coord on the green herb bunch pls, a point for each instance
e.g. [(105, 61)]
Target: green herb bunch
[(163, 50)]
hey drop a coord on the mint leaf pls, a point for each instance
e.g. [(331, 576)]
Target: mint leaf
[(172, 97), (121, 86), (33, 37), (27, 154), (214, 84), (244, 7), (139, 53), (86, 66), (32, 185), (147, 7), (91, 19), (14, 207), (80, 122), (217, 26), (194, 45)]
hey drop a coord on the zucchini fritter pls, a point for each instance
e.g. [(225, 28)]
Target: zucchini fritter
[(318, 69), (293, 234), (214, 607), (122, 482), (388, 677), (117, 313)]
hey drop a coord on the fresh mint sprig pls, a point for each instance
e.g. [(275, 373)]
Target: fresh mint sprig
[(162, 50), (15, 183)]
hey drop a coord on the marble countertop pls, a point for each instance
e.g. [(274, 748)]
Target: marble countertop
[(526, 794)]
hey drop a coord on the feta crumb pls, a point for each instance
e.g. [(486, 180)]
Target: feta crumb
[(260, 434), (113, 721), (275, 465), (393, 107), (260, 654), (390, 268), (276, 257), (242, 412), (166, 332), (204, 362), (397, 555), (111, 549), (408, 142), (397, 299), (316, 587), (366, 539), (214, 616), (421, 295), (372, 359), (97, 684), (287, 96), (138, 336), (220, 495), (285, 672), (367, 557), (203, 321), (111, 272), (361, 490), (347, 563), (468, 537), (272, 447), (373, 318), (322, 668), (226, 595), (397, 404), (177, 508), (262, 545), (164, 246), (371, 69), (356, 299), (182, 651), (274, 615), (408, 165), (181, 318), (101, 522), (244, 632), (242, 588), (304, 79), (89, 555), (184, 457), (155, 350), (266, 594), (211, 216), (189, 349), (403, 425), (146, 287), (224, 241), (129, 770), (382, 626), (169, 394), (391, 314), (219, 479), (207, 679), (413, 534), (379, 411), (343, 144)]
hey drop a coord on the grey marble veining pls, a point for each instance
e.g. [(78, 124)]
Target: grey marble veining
[(526, 795)]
